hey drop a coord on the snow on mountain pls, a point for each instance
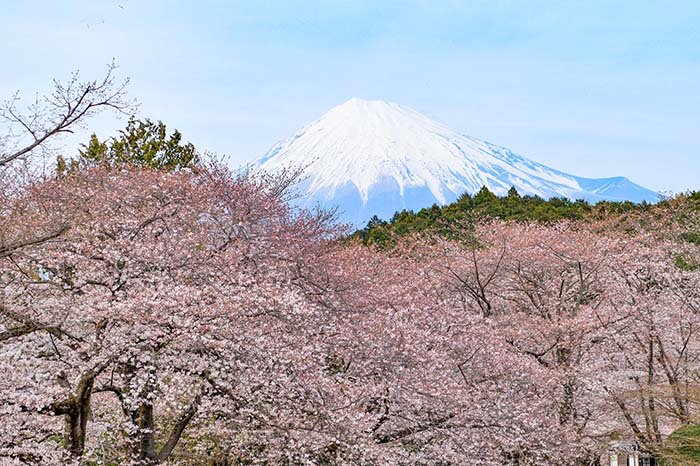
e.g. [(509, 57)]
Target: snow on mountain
[(375, 157)]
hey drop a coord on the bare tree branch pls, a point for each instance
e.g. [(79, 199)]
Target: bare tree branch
[(67, 107)]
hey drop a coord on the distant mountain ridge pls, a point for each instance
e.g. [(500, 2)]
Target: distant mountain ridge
[(375, 158)]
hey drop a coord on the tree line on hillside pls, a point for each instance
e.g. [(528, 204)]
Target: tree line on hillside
[(453, 220), (158, 308)]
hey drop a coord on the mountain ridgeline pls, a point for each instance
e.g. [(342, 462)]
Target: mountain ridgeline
[(372, 158)]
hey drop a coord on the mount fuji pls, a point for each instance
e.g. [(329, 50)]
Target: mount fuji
[(374, 158)]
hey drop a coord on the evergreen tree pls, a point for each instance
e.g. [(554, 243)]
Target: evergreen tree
[(513, 194), (143, 143)]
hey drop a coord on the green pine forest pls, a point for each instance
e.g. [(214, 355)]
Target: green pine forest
[(454, 220)]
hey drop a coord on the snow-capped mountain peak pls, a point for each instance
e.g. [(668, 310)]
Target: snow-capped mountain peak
[(374, 157)]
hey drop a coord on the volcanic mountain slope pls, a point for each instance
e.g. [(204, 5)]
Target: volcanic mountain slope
[(375, 157)]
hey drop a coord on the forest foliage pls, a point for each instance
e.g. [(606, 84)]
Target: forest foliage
[(456, 219), (143, 143)]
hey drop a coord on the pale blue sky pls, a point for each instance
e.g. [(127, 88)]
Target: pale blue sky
[(595, 88)]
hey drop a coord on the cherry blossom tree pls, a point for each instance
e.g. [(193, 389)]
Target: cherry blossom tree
[(149, 302), (29, 133), (652, 344), (436, 382)]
